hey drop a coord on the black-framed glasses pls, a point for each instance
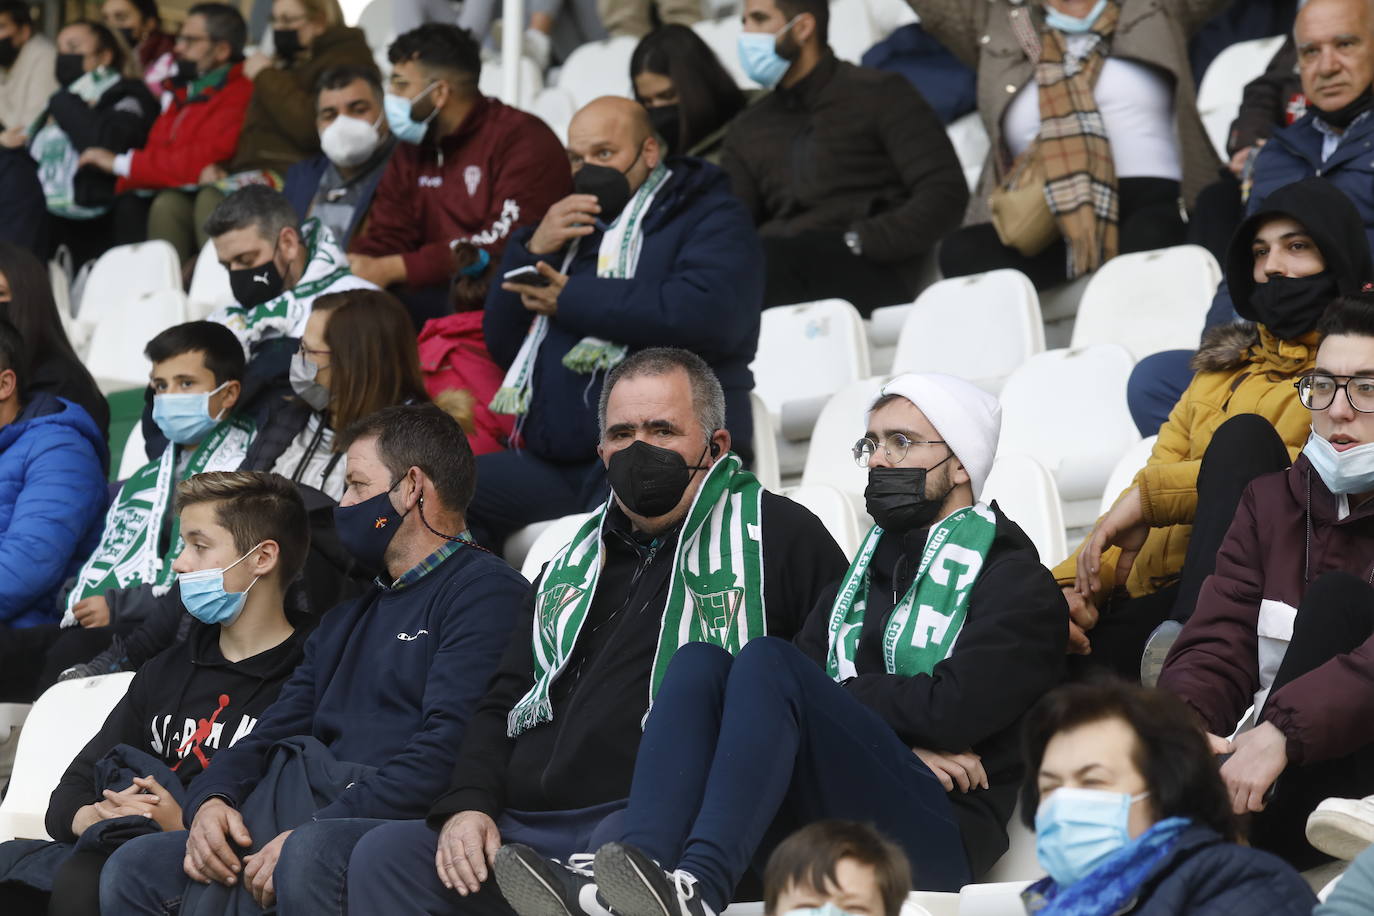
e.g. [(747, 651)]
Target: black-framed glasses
[(895, 447), (1318, 392)]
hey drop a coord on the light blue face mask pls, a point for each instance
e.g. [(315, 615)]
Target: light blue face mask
[(185, 418), (1075, 829), (399, 119), (825, 909), (758, 55), (203, 594), (1072, 25), (1350, 471)]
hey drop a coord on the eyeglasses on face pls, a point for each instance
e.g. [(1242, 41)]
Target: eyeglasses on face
[(1318, 392), (894, 446)]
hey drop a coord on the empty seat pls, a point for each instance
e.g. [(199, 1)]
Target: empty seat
[(551, 539), (1067, 410), (765, 445), (842, 421), (66, 716), (806, 353), (979, 328), (1219, 96), (555, 106), (1026, 492), (836, 511), (598, 68), (1126, 468), (851, 29), (210, 288), (135, 454), (1149, 301), (531, 82), (124, 273), (115, 356)]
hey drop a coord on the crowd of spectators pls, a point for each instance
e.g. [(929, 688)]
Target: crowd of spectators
[(445, 324)]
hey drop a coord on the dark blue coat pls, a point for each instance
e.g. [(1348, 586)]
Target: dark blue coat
[(698, 285), (388, 681), (1294, 153), (303, 180), (52, 498)]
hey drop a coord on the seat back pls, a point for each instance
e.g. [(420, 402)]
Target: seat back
[(531, 82), (971, 144), (210, 288), (722, 35), (115, 355), (550, 541), (836, 511), (842, 422), (1149, 301), (766, 467), (1126, 468), (598, 68), (979, 327), (1223, 85), (805, 354), (125, 273), (1026, 492), (64, 718)]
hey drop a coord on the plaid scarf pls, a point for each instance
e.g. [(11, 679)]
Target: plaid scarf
[(1072, 147)]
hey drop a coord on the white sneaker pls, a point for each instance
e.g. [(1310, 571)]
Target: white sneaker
[(1342, 827)]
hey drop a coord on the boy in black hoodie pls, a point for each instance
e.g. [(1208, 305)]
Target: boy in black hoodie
[(245, 537)]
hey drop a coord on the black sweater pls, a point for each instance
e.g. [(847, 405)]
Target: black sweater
[(586, 755), (170, 699), (119, 121), (1008, 654)]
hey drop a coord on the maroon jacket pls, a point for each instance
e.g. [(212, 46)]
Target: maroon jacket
[(501, 169), (1267, 559)]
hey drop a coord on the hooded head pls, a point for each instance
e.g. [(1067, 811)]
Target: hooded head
[(1333, 224)]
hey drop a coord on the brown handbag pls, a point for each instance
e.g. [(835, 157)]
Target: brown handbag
[(1020, 213)]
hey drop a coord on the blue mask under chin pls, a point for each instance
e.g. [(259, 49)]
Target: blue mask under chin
[(1073, 25)]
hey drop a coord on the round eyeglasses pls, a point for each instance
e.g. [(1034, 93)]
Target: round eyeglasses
[(1318, 392), (895, 447)]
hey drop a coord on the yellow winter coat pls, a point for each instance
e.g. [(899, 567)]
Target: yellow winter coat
[(1238, 372)]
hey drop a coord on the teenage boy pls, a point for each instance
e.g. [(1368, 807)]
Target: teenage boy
[(245, 536), (836, 867)]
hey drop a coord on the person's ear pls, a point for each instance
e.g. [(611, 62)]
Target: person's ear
[(804, 29), (264, 559), (416, 491), (720, 443), (9, 385), (290, 244), (958, 475), (441, 93), (227, 398), (653, 153), (222, 53)]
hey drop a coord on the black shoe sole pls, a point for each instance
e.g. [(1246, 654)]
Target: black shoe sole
[(628, 882), (525, 881)]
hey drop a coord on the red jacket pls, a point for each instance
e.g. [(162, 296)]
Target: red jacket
[(1262, 571), (501, 169), (189, 135), (454, 355)]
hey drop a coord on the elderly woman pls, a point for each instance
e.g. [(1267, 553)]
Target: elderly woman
[(1092, 113), (1131, 816)]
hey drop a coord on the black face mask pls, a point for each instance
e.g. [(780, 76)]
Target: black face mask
[(1291, 306), (1342, 118), (366, 529), (287, 42), (183, 74), (667, 123), (897, 500), (609, 186), (256, 285), (130, 38), (9, 52), (69, 69), (648, 480)]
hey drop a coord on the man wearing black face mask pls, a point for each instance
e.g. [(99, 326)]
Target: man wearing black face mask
[(645, 252), (28, 61)]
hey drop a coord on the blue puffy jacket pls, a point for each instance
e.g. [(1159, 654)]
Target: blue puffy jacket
[(52, 498), (698, 285)]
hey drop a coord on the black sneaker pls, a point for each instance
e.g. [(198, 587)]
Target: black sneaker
[(634, 883), (536, 886)]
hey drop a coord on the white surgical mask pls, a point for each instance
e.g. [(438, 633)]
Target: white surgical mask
[(1350, 471), (349, 141)]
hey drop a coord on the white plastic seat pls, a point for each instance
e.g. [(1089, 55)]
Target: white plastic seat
[(765, 445), (1002, 898), (115, 358), (124, 273), (1223, 85), (836, 511), (722, 35), (1026, 492), (1067, 410), (210, 288), (598, 68), (1019, 863), (135, 453), (805, 354), (851, 29), (1149, 301), (62, 298), (979, 328), (377, 20), (1130, 464), (971, 145), (551, 540), (64, 718), (842, 422), (556, 107), (531, 82)]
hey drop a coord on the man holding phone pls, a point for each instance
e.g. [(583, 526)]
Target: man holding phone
[(645, 252)]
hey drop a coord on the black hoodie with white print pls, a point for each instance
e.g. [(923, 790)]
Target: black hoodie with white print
[(183, 706)]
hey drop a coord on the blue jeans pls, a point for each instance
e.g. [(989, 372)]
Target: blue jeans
[(145, 876), (741, 750), (395, 862), (1155, 385)]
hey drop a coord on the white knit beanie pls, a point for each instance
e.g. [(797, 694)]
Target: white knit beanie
[(965, 416)]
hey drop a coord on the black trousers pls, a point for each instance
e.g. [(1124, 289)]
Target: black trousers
[(1243, 448), (818, 265), (76, 890), (1335, 617), (1149, 219)]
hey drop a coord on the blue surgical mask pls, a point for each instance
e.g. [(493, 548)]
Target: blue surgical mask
[(1350, 471), (203, 594), (185, 418), (400, 119), (758, 55), (1075, 829), (1072, 25), (825, 909)]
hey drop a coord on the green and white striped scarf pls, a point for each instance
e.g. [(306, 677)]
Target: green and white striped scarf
[(617, 258), (55, 155), (715, 593), (923, 627)]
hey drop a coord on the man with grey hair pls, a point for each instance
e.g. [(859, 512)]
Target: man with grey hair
[(688, 548), (276, 268)]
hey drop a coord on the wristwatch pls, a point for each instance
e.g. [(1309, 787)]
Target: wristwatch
[(856, 246)]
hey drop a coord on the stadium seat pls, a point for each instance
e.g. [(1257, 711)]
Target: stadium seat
[(851, 29), (531, 82), (765, 445), (125, 273), (551, 540), (65, 717), (378, 25), (12, 716), (1001, 898), (119, 337), (555, 106), (971, 144), (1219, 96), (1149, 301), (1067, 410), (135, 453), (836, 511), (722, 35), (841, 423), (62, 297), (1026, 492), (1130, 464), (1019, 862), (598, 68), (979, 328), (209, 285), (806, 353), (888, 16)]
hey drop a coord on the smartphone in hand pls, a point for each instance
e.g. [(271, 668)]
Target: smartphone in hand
[(526, 276)]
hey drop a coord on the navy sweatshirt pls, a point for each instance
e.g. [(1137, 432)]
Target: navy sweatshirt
[(389, 680)]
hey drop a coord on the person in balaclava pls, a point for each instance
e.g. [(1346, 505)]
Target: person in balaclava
[(1145, 560)]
